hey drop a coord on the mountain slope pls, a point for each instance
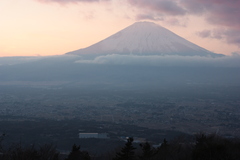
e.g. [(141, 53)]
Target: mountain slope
[(145, 38)]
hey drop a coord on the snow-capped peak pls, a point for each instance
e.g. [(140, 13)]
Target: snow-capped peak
[(145, 38)]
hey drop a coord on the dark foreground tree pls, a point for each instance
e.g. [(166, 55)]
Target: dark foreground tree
[(48, 152), (127, 152), (17, 152), (1, 139), (214, 147), (77, 154), (148, 151)]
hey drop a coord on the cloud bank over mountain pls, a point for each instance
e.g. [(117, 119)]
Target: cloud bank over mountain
[(155, 60), (132, 60)]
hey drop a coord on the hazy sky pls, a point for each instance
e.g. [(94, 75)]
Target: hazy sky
[(54, 27)]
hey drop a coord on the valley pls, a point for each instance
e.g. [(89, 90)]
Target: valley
[(210, 109)]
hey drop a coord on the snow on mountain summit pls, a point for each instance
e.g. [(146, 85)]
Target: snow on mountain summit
[(145, 38)]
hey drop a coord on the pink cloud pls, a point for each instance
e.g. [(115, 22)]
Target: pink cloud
[(223, 14), (69, 1)]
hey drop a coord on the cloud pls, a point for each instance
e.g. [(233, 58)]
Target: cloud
[(197, 7), (155, 60), (161, 7), (223, 14), (204, 33), (217, 12), (15, 60), (216, 34), (18, 60), (231, 36), (70, 1), (132, 60), (149, 17), (236, 53), (176, 22)]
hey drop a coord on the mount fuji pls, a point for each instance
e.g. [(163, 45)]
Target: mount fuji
[(142, 55), (145, 38)]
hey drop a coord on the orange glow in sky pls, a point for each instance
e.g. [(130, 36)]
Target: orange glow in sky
[(54, 27)]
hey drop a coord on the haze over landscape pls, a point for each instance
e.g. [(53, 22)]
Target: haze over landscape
[(149, 70)]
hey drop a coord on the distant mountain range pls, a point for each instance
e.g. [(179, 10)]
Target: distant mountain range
[(145, 38)]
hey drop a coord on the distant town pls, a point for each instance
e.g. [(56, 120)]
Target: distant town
[(213, 111)]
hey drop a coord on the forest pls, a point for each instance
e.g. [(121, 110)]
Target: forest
[(201, 147)]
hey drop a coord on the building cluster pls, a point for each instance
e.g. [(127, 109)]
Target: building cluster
[(94, 135)]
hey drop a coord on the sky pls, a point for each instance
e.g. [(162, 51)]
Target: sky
[(55, 27)]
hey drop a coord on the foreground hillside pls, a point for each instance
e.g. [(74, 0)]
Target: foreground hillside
[(203, 147)]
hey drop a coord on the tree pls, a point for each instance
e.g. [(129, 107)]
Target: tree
[(77, 154), (1, 139), (213, 147), (49, 152), (127, 152), (163, 151), (165, 143), (147, 150)]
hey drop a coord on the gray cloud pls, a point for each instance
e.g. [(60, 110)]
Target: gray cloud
[(18, 60), (176, 22), (217, 12), (162, 7), (231, 36), (221, 13), (224, 14), (196, 6), (204, 33), (216, 34), (149, 17)]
